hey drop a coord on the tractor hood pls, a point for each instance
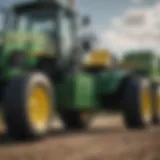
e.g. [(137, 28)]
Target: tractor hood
[(34, 44)]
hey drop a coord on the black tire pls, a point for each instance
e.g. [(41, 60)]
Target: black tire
[(155, 90), (133, 110), (73, 120), (16, 110)]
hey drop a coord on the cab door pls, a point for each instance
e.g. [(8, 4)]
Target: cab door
[(5, 19)]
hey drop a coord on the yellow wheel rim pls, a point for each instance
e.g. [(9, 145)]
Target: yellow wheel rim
[(39, 107), (158, 103), (146, 108)]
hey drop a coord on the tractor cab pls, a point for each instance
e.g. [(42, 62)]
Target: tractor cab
[(42, 30)]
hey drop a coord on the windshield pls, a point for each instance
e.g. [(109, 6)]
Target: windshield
[(37, 21), (2, 20)]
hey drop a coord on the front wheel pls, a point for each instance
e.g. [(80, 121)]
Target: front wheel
[(28, 104), (137, 107)]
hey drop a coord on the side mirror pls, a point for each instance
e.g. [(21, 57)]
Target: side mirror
[(86, 46), (86, 21)]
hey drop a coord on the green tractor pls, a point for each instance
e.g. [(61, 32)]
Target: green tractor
[(40, 75), (146, 63)]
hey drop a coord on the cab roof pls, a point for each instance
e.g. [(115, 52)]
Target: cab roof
[(27, 6)]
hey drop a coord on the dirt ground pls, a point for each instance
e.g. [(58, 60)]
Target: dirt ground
[(107, 139)]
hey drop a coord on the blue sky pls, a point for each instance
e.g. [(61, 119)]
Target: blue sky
[(103, 11)]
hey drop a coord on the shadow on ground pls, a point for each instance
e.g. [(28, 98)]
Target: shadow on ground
[(5, 140)]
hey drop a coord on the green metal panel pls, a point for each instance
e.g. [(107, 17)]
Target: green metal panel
[(64, 93), (85, 93), (145, 61), (77, 92), (27, 43), (33, 42), (109, 82)]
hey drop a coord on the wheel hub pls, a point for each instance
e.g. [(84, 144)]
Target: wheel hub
[(146, 109), (39, 108)]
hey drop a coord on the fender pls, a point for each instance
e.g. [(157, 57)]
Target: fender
[(109, 82), (80, 90)]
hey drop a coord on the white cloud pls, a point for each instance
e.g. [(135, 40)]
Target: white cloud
[(137, 28)]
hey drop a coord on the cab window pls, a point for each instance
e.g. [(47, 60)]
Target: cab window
[(66, 34)]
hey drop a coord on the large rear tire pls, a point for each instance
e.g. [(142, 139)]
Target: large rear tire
[(28, 108), (137, 107), (155, 89)]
